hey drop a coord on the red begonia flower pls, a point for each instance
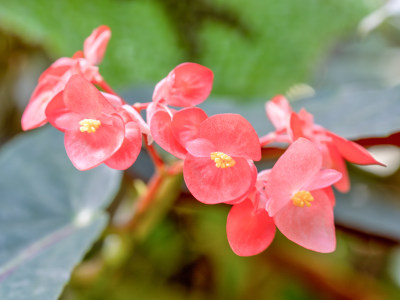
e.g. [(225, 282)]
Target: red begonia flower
[(94, 131), (219, 164), (53, 80), (188, 84), (173, 130), (334, 148), (298, 169), (295, 189), (290, 126)]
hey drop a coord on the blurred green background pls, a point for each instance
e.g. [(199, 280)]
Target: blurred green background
[(256, 49)]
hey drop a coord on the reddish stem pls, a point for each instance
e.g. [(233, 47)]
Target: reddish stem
[(145, 201), (157, 160), (141, 106), (175, 168)]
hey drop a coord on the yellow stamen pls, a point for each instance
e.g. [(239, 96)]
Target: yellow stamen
[(302, 198), (222, 160), (89, 125)]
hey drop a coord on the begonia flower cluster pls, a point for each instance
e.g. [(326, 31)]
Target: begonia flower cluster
[(218, 152)]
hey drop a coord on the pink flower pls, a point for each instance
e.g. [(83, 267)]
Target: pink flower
[(219, 166), (188, 84), (301, 206), (335, 149), (290, 126), (54, 79), (94, 131), (249, 228)]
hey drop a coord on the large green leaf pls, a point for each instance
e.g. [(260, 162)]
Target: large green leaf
[(50, 214)]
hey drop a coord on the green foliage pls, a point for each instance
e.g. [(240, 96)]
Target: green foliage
[(142, 47), (255, 48), (51, 214)]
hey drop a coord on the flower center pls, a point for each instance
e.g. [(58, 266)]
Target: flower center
[(302, 198), (222, 160), (89, 125)]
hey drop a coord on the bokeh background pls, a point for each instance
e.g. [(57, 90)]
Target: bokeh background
[(340, 58)]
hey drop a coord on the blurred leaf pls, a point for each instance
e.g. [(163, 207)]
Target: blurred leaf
[(285, 41), (363, 63), (142, 48), (256, 48), (50, 214), (389, 9), (372, 206), (356, 113)]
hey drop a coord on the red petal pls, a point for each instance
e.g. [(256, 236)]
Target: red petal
[(249, 231), (161, 130), (88, 150), (233, 135), (353, 152), (186, 124), (161, 91), (188, 84), (278, 111), (337, 162), (34, 114), (293, 170), (130, 149), (310, 227), (114, 100), (58, 68), (82, 97), (95, 45), (323, 179), (296, 127), (201, 148), (211, 185), (60, 116), (331, 196)]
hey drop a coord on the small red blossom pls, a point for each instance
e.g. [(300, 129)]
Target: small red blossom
[(301, 206), (335, 150), (188, 84), (94, 131), (219, 166), (54, 79)]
